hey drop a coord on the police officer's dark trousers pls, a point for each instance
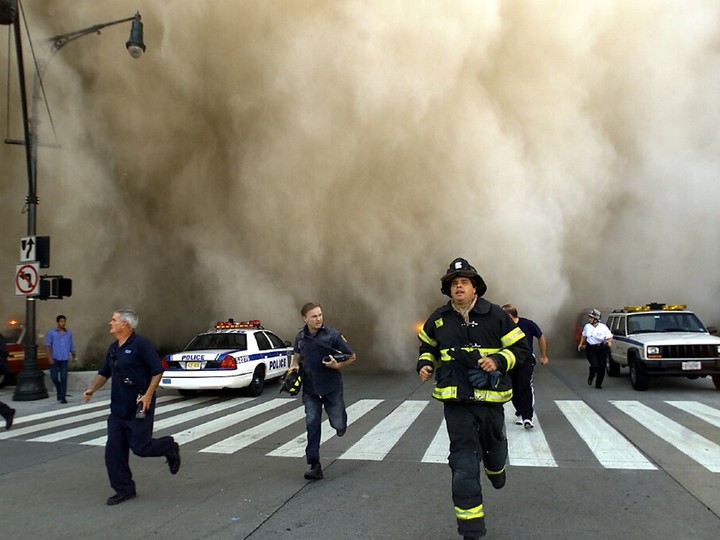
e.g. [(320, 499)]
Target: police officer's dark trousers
[(476, 431), (523, 398), (597, 357), (125, 434)]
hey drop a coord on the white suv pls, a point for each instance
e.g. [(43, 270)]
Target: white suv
[(662, 340)]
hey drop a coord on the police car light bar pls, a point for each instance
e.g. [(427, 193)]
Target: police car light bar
[(231, 324), (656, 306)]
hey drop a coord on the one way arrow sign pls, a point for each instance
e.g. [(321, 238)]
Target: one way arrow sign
[(27, 248), (35, 249)]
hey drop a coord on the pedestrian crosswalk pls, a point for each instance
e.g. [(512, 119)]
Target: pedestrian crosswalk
[(378, 428)]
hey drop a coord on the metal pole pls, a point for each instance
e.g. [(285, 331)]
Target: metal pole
[(30, 382)]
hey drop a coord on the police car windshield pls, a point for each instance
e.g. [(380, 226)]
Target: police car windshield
[(664, 322), (232, 341)]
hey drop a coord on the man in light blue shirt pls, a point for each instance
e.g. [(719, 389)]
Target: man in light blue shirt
[(60, 349)]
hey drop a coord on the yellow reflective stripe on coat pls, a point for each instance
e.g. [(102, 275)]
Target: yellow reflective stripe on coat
[(469, 513), (427, 339), (493, 396), (448, 392), (429, 357), (488, 396), (513, 336), (509, 358)]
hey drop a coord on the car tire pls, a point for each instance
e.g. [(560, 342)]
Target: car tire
[(716, 381), (613, 368), (639, 379), (187, 393), (258, 382)]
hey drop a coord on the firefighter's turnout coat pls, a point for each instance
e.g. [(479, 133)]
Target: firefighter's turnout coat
[(490, 331)]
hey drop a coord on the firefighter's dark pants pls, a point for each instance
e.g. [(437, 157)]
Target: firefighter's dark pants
[(477, 434), (523, 398), (597, 356), (125, 434)]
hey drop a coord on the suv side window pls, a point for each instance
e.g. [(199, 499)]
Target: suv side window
[(617, 325)]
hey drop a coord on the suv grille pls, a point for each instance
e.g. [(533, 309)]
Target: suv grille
[(688, 351)]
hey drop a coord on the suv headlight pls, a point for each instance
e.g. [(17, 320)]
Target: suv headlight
[(653, 351), (718, 349)]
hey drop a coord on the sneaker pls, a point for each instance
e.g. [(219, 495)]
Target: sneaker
[(527, 424), (518, 420), (315, 472), (497, 480), (173, 459)]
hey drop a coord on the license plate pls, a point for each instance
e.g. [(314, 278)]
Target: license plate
[(192, 365), (165, 381), (691, 365)]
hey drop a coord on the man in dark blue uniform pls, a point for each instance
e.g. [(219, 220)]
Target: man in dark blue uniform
[(319, 353), (135, 368)]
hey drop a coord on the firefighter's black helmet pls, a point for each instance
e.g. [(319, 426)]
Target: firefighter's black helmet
[(460, 267)]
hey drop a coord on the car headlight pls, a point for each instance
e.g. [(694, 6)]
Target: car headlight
[(653, 351), (718, 349)]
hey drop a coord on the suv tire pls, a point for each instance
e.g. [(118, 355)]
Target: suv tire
[(613, 368), (638, 377)]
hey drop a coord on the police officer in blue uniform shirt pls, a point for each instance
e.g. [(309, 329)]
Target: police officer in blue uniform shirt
[(319, 353), (135, 368)]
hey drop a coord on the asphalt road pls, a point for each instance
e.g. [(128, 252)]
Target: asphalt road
[(600, 464)]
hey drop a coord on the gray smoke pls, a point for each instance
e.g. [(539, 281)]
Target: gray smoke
[(263, 154)]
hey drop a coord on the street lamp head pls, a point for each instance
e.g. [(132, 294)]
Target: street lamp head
[(135, 45), (8, 11)]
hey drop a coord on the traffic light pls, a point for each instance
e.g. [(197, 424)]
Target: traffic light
[(55, 287), (61, 286)]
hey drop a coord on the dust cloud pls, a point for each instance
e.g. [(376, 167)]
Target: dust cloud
[(263, 154)]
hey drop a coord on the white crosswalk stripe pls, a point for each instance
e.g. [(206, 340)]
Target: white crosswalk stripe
[(377, 427), (296, 447), (696, 447), (612, 450), (527, 447), (379, 441)]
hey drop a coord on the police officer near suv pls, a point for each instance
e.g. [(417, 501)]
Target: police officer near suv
[(470, 344), (596, 338)]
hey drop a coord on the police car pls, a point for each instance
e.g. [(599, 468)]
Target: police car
[(229, 355), (660, 339)]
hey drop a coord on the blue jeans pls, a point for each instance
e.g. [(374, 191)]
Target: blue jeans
[(59, 375), (337, 415)]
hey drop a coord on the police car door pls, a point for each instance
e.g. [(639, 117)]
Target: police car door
[(274, 355)]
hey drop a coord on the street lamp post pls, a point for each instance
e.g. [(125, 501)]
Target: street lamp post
[(31, 381)]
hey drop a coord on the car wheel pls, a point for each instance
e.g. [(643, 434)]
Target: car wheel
[(187, 393), (613, 368), (258, 383), (638, 378), (716, 381)]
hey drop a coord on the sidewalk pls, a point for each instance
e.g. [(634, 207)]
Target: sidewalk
[(78, 381)]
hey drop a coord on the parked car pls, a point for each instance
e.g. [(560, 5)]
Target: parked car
[(662, 340)]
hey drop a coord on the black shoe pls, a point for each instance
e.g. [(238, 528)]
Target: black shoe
[(497, 480), (117, 498), (63, 401), (173, 459), (315, 472), (598, 386), (9, 419), (590, 380), (341, 432)]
